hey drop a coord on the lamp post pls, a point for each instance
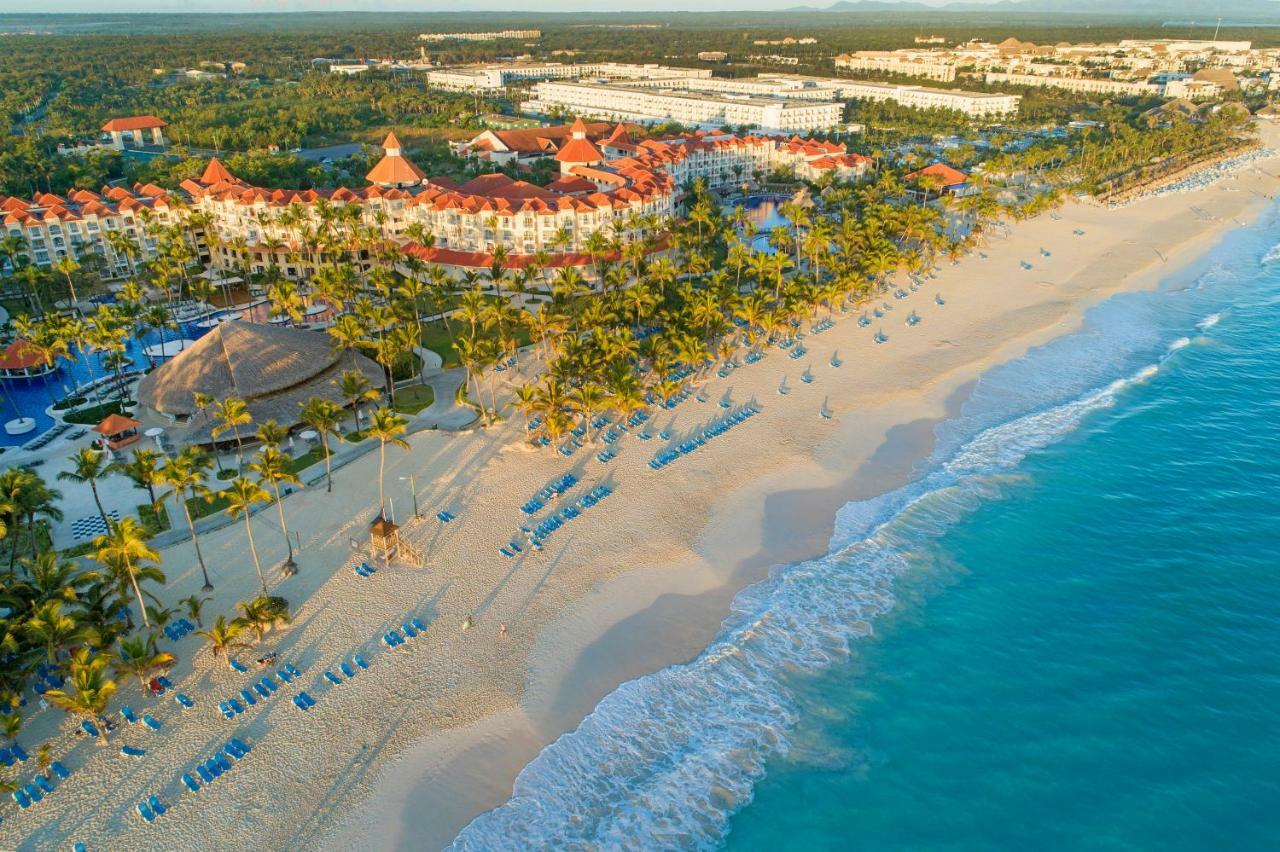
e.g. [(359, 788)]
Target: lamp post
[(413, 488)]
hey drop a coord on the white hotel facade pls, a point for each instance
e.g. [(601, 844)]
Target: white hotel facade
[(676, 102), (481, 78)]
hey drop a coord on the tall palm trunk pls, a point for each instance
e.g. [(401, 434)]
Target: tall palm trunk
[(133, 581), (257, 564), (275, 486), (195, 541)]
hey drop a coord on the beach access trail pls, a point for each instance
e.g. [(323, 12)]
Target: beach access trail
[(404, 753)]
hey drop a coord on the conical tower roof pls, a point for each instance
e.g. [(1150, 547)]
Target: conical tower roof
[(215, 172)]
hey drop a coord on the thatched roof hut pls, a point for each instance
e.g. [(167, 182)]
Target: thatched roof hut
[(274, 369)]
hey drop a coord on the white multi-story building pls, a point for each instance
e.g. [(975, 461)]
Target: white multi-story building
[(914, 63), (1083, 85), (491, 36), (469, 78), (973, 104), (677, 103)]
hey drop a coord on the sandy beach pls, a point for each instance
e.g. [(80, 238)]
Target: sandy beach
[(404, 754)]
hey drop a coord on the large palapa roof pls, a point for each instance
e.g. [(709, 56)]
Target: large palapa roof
[(245, 360)]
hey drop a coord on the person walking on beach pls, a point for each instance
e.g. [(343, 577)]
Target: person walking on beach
[(502, 630)]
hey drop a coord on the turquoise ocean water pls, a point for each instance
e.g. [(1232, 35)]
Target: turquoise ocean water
[(1064, 634)]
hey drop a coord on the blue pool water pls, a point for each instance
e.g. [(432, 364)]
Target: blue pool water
[(31, 397), (1063, 635), (764, 212)]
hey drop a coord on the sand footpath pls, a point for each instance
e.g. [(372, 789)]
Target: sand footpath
[(407, 752)]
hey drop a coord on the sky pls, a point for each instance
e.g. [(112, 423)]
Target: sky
[(225, 6)]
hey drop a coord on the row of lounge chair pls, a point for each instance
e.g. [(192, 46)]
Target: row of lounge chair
[(539, 533), (549, 493), (413, 628), (348, 670), (666, 457), (41, 786), (178, 629), (213, 768)]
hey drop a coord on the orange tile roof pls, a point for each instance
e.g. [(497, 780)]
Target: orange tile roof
[(114, 424), (133, 122), (19, 355), (945, 175), (579, 151), (215, 172)]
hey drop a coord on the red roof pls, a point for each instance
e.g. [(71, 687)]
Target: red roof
[(498, 185), (579, 151), (215, 172), (114, 424), (391, 142), (945, 175), (133, 122), (395, 169), (19, 355)]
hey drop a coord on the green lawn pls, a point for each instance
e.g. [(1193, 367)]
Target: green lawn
[(436, 338), (414, 398)]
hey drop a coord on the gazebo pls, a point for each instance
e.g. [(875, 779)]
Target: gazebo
[(120, 431)]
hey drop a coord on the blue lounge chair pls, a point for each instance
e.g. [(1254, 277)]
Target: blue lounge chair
[(248, 697), (360, 661), (236, 706), (270, 681), (6, 758), (205, 775), (151, 722), (156, 805), (144, 811), (33, 792), (307, 699), (44, 783), (79, 847), (417, 622), (226, 710), (299, 703), (241, 744), (19, 753), (223, 763), (165, 682), (183, 700), (332, 678), (192, 784), (89, 728), (60, 770), (285, 676), (409, 631), (237, 665), (132, 751), (346, 669), (20, 796), (261, 690), (129, 716), (270, 685)]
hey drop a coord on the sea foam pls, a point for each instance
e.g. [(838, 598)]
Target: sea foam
[(665, 760)]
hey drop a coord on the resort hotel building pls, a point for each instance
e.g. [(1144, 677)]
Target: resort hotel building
[(682, 101), (488, 78), (616, 186), (913, 63)]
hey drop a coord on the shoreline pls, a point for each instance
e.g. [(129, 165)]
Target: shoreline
[(609, 629), (433, 733)]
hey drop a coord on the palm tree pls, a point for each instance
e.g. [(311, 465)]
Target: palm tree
[(325, 416), (143, 469), (138, 657), (241, 495), (387, 427), (224, 636), (355, 389), (185, 473), (50, 628), (264, 613), (89, 465), (125, 546), (231, 413), (194, 606), (93, 690), (272, 467)]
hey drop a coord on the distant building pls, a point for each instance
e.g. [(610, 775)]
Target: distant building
[(930, 39), (973, 104), (132, 131), (621, 102), (490, 36), (470, 78), (713, 56), (911, 63), (349, 70), (1083, 85)]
